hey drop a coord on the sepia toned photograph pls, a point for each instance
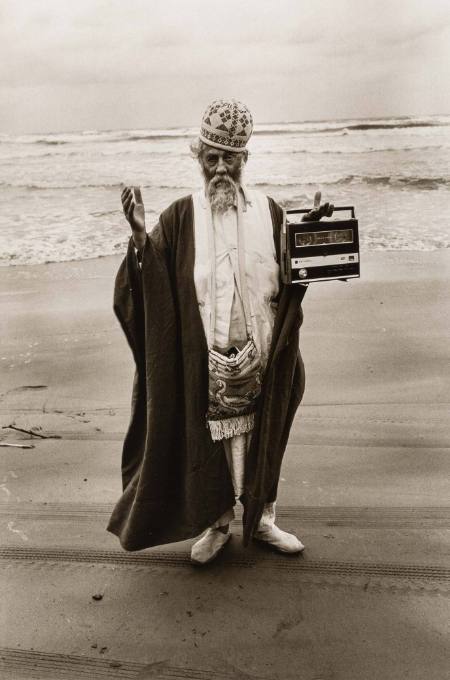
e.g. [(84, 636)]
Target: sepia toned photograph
[(224, 357)]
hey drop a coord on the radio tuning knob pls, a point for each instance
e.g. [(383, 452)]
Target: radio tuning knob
[(302, 273)]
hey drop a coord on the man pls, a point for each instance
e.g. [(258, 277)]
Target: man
[(199, 295)]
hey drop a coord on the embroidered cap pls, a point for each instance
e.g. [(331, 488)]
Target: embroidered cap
[(226, 125)]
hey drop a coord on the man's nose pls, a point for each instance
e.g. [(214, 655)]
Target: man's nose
[(221, 167)]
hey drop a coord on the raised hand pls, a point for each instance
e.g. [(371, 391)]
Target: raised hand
[(134, 211), (324, 210)]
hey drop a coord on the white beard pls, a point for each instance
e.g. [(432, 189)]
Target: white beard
[(222, 193)]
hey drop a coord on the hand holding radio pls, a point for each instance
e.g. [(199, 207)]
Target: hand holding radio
[(134, 211), (319, 251), (324, 210)]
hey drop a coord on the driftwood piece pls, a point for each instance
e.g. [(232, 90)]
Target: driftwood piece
[(34, 434)]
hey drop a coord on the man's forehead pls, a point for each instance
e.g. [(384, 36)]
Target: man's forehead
[(207, 149)]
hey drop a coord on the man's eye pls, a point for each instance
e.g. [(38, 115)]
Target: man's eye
[(211, 159)]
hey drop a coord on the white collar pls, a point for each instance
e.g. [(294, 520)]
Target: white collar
[(242, 188)]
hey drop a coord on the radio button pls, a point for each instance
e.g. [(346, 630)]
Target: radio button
[(302, 273)]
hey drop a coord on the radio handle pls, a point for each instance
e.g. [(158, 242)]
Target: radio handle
[(307, 210)]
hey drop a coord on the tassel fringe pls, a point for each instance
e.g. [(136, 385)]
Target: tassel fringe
[(230, 427)]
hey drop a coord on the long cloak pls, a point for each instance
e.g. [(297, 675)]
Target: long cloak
[(175, 479)]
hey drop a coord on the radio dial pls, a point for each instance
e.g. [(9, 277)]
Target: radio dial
[(302, 273)]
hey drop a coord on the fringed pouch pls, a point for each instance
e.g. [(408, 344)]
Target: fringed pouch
[(234, 386)]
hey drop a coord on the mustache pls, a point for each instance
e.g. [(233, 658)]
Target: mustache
[(222, 183), (221, 179)]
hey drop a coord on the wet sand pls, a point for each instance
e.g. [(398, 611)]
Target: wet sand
[(364, 484)]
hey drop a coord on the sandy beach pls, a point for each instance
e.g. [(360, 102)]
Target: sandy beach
[(364, 483)]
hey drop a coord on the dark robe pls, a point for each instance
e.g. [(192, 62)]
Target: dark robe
[(176, 480)]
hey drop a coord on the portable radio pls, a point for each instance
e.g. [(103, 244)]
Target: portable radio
[(319, 251)]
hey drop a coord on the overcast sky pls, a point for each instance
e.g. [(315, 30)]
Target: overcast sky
[(105, 64)]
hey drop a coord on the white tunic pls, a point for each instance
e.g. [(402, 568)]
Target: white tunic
[(261, 268)]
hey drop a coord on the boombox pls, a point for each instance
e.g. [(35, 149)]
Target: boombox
[(319, 251)]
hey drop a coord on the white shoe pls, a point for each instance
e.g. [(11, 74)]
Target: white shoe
[(281, 540), (209, 546)]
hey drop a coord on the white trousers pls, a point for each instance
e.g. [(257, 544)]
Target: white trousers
[(235, 451)]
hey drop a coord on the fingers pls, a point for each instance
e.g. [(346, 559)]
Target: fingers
[(312, 216), (319, 211), (125, 196), (129, 212), (138, 195), (128, 202), (324, 209)]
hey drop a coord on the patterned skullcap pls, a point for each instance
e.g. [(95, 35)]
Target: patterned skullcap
[(226, 125)]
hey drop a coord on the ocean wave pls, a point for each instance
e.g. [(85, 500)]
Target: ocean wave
[(94, 248), (113, 185), (51, 142), (89, 137), (338, 127), (138, 138), (348, 152), (10, 160), (167, 153), (405, 124), (395, 181), (429, 183), (345, 128), (362, 127)]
